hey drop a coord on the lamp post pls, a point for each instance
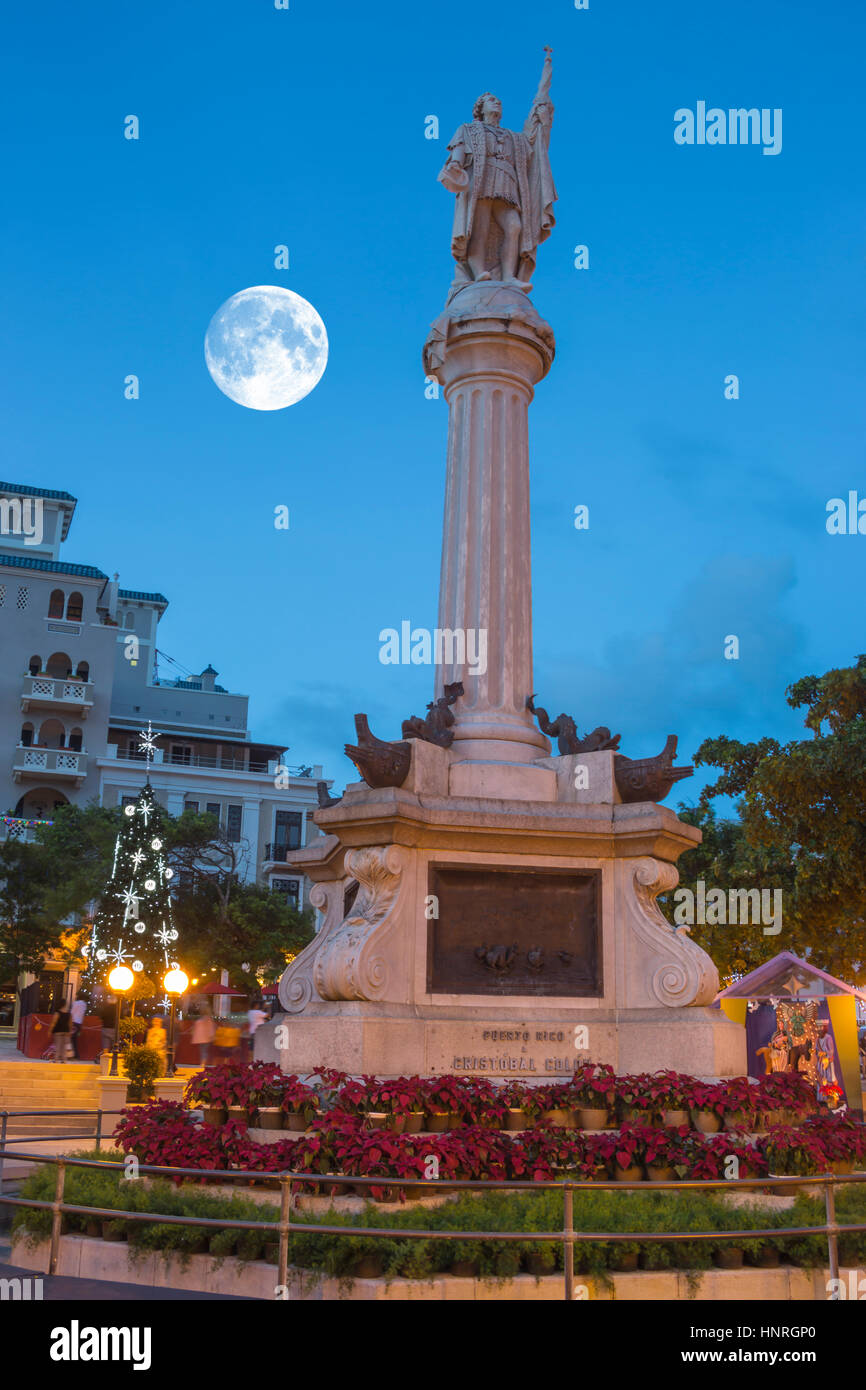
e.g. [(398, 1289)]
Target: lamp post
[(175, 983), (119, 981)]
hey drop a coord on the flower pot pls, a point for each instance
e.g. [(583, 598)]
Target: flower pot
[(707, 1121), (591, 1117), (93, 1229), (622, 1262), (238, 1113), (516, 1119), (368, 1267), (729, 1257), (672, 1119), (108, 1234), (272, 1252), (270, 1117), (464, 1269), (377, 1119), (565, 1119), (660, 1172), (455, 1119), (773, 1117), (416, 1192), (414, 1122), (396, 1123), (537, 1264), (295, 1120), (438, 1121), (766, 1258), (598, 1174), (632, 1174), (215, 1115)]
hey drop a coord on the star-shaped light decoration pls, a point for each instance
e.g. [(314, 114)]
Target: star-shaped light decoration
[(147, 746), (137, 858), (144, 810), (118, 955)]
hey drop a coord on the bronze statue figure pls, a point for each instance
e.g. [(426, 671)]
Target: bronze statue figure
[(649, 779), (381, 764), (436, 728), (564, 730)]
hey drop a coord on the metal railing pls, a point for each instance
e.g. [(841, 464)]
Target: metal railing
[(568, 1236)]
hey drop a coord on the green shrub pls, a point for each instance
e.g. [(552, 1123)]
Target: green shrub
[(143, 1066)]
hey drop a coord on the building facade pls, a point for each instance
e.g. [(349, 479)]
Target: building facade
[(78, 681)]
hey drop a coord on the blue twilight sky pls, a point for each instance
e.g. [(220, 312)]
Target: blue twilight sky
[(262, 126)]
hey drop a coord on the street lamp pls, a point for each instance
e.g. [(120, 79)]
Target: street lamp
[(175, 983), (119, 981)]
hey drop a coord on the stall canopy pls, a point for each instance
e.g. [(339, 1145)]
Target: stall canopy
[(756, 1000)]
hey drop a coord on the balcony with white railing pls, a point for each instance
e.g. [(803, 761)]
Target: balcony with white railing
[(57, 692), (64, 764), (227, 762), (21, 828)]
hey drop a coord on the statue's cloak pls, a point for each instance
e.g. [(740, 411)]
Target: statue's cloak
[(534, 183)]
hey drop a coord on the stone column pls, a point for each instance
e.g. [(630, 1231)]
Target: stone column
[(488, 350)]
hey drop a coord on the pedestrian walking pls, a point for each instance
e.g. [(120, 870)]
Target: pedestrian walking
[(77, 1015), (61, 1024)]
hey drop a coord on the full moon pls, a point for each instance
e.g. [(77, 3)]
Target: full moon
[(266, 348)]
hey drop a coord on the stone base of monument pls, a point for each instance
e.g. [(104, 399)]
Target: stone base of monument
[(498, 937), (532, 1043)]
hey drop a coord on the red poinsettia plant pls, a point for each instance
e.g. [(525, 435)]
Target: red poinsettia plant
[(722, 1156), (593, 1086)]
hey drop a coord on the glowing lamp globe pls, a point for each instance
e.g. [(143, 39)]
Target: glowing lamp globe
[(120, 978), (175, 982)]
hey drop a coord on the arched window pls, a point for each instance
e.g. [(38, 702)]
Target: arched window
[(75, 608), (55, 604), (59, 665), (75, 741), (39, 802), (26, 735), (82, 671), (52, 734), (34, 665)]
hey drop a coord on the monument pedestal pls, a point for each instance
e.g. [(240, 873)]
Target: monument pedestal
[(498, 937), (485, 908)]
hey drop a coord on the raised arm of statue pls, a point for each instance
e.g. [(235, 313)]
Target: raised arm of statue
[(541, 111)]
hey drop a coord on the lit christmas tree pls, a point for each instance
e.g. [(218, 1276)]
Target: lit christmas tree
[(133, 926)]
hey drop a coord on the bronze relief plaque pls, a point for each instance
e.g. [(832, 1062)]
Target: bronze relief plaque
[(515, 931)]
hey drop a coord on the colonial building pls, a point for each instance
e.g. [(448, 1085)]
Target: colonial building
[(78, 680)]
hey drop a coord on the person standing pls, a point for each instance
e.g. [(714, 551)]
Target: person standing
[(203, 1030), (256, 1016), (157, 1041), (77, 1016), (60, 1026)]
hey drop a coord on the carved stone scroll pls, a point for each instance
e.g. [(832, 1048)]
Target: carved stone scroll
[(360, 956), (659, 964)]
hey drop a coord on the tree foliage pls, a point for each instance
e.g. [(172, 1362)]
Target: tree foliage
[(802, 808)]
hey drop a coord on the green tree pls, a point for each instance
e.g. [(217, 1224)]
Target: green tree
[(802, 808), (242, 924), (27, 934)]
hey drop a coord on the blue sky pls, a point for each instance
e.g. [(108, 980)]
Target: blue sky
[(306, 127)]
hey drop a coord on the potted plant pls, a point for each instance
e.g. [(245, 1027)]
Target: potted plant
[(666, 1153), (298, 1103), (265, 1095), (707, 1102), (637, 1099), (672, 1097), (402, 1101), (593, 1090), (516, 1105), (628, 1152), (207, 1089), (143, 1066), (741, 1099), (555, 1105), (443, 1101)]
